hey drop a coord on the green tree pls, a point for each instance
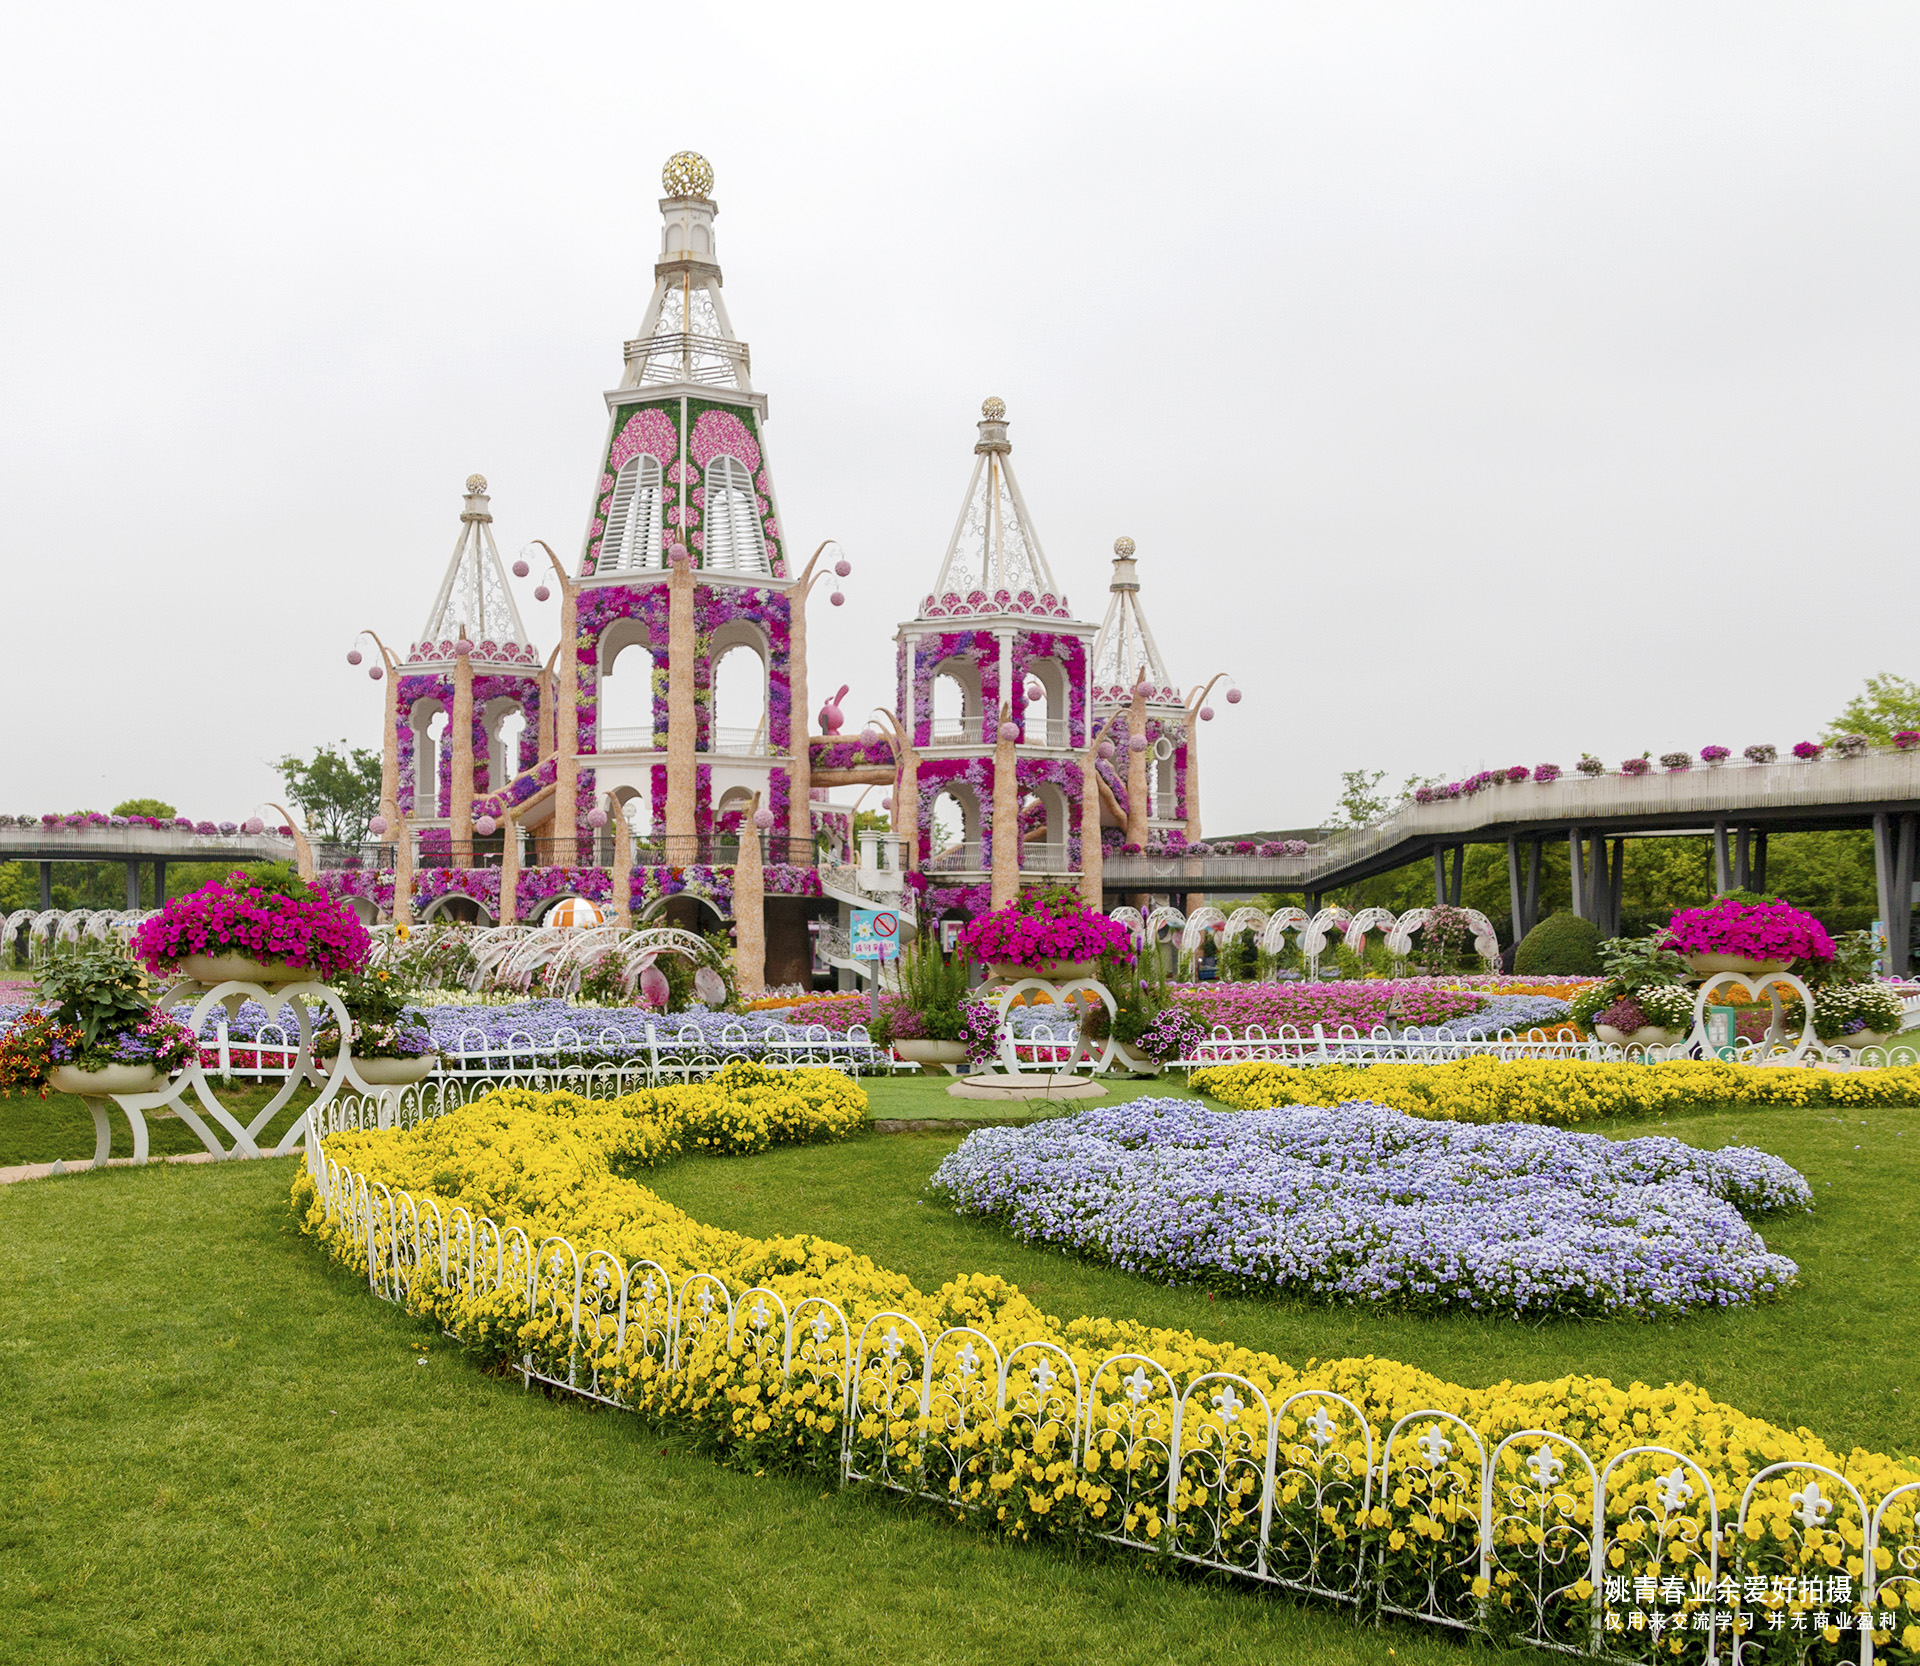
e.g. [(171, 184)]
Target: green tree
[(1889, 703), (159, 809), (1360, 801), (338, 792)]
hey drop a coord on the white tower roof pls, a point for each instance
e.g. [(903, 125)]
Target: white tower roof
[(994, 561), (1125, 647), (686, 335), (474, 598)]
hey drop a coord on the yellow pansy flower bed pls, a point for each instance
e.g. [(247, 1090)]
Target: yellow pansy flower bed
[(1361, 1480), (1555, 1091)]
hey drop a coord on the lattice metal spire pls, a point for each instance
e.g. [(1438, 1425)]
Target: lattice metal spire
[(686, 335), (474, 597), (994, 563), (1125, 645)]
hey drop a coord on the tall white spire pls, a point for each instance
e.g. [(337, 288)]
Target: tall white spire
[(994, 562), (474, 598), (686, 335), (1125, 646)]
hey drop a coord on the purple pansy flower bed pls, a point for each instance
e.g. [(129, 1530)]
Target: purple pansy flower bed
[(1360, 1203)]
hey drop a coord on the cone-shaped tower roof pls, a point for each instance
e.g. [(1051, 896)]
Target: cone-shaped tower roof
[(1125, 648), (474, 599), (994, 562)]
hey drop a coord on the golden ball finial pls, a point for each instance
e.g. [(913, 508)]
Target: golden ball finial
[(476, 483), (1123, 547), (687, 174), (994, 410)]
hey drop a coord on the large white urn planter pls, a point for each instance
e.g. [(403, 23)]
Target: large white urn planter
[(932, 1052), (1648, 1035), (1861, 1040), (108, 1079), (1060, 971), (391, 1073), (1705, 965), (210, 969)]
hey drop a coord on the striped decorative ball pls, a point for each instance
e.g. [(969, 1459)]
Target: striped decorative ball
[(577, 911)]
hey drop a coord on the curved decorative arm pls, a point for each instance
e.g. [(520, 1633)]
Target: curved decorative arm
[(559, 572)]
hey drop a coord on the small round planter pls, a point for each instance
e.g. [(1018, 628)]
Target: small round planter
[(1648, 1035), (1705, 965), (108, 1079), (1861, 1040), (1135, 1064), (1059, 970), (391, 1073), (932, 1052), (238, 968)]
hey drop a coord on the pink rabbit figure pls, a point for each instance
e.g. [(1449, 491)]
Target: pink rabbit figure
[(831, 716)]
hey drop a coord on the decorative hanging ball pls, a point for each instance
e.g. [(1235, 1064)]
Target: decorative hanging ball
[(596, 817), (842, 567), (1140, 688), (485, 826), (376, 672), (1104, 750), (677, 554), (869, 735), (253, 825), (1206, 714), (378, 826), (353, 656), (1233, 697), (1036, 692), (576, 913), (763, 819), (541, 592), (838, 599), (1137, 743), (520, 567), (1009, 731), (463, 648)]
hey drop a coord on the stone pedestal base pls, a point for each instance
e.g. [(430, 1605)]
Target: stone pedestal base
[(1029, 1084)]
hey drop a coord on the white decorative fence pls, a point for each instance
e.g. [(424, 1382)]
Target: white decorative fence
[(661, 1054), (1522, 1533), (1346, 1045)]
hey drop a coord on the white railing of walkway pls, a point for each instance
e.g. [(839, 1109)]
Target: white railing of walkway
[(1422, 1518)]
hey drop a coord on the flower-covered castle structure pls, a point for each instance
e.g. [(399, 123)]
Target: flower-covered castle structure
[(659, 760)]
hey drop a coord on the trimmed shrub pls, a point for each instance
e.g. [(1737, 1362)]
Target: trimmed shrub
[(1563, 944)]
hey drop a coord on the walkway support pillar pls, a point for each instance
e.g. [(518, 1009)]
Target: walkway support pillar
[(133, 884), (1760, 859), (1741, 867), (1459, 873), (1577, 866), (46, 886), (159, 883), (1722, 871), (1439, 873)]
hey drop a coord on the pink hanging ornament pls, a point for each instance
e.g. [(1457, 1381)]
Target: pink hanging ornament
[(1206, 714), (838, 599), (376, 672), (596, 817), (1233, 697), (1104, 750), (763, 819), (485, 826), (378, 826), (253, 825), (869, 736), (1009, 731), (842, 567), (353, 656), (1137, 743), (541, 592), (463, 648), (520, 568)]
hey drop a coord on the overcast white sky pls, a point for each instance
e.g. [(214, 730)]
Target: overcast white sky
[(1481, 383)]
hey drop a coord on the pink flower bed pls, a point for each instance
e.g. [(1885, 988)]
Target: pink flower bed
[(1754, 930), (1361, 1004)]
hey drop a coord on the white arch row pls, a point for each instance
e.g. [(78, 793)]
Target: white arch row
[(45, 929), (1312, 934), (558, 956)]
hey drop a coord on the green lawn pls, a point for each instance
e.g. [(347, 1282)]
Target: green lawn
[(1840, 1356), (216, 1447)]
